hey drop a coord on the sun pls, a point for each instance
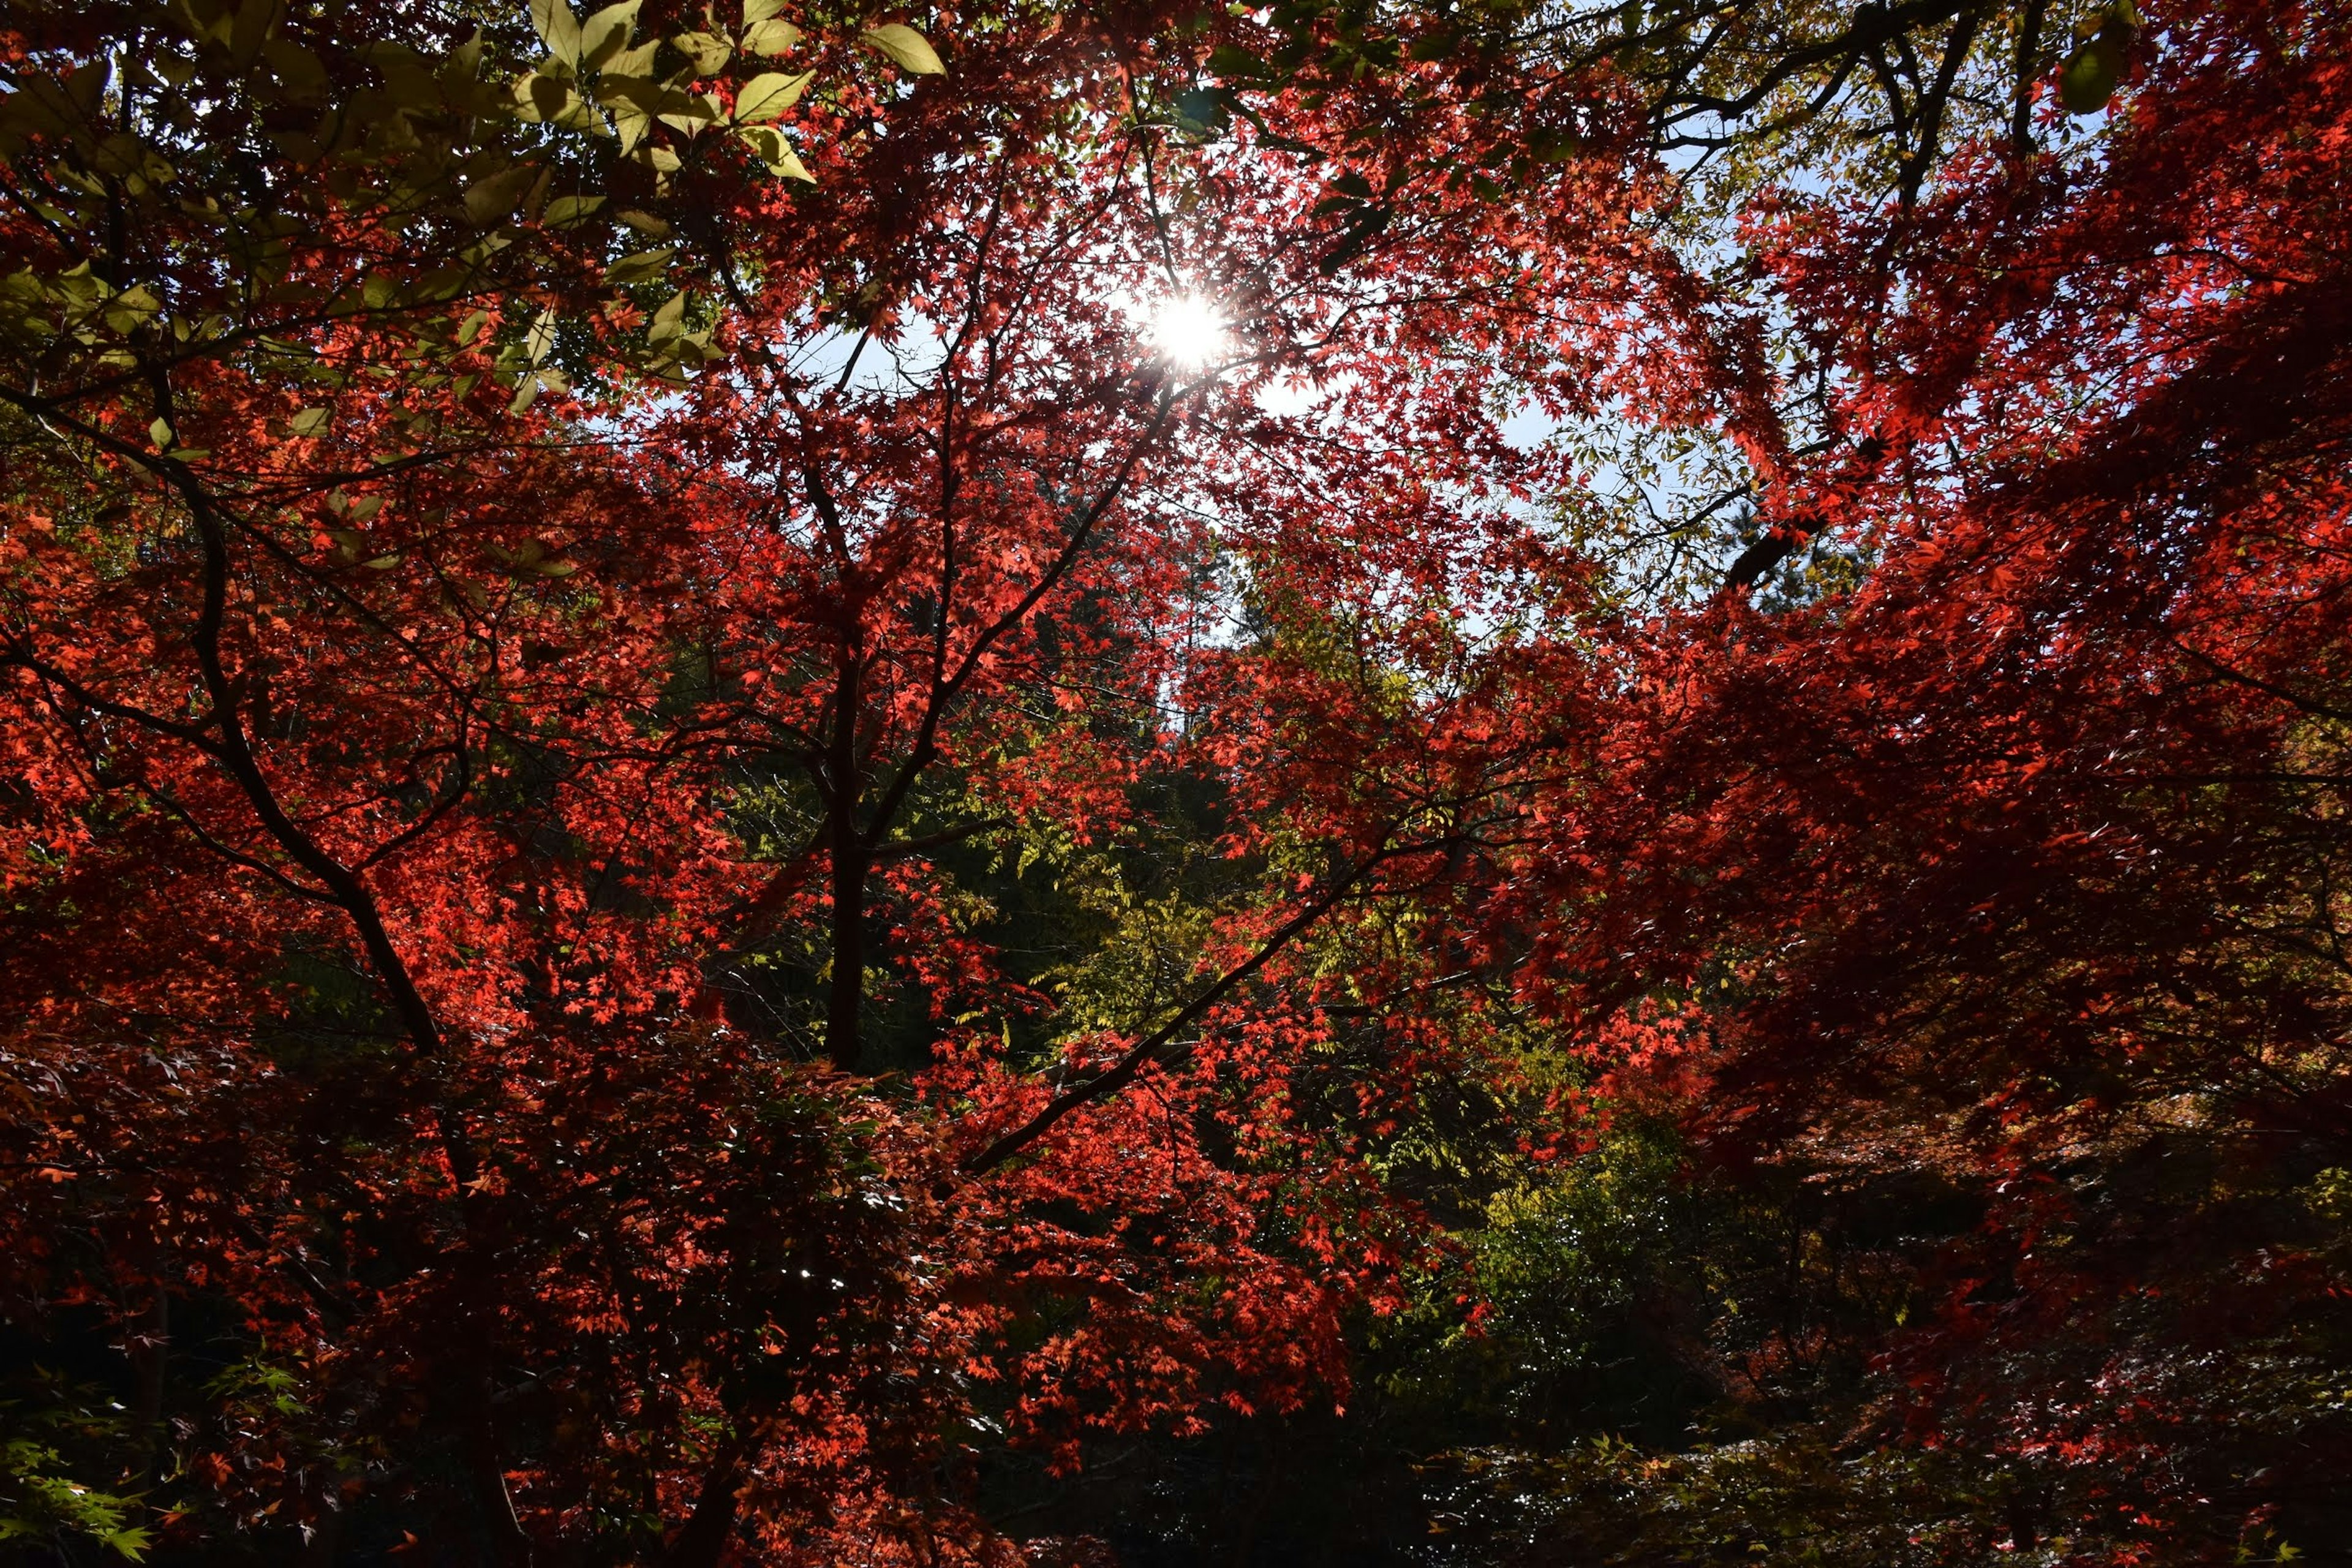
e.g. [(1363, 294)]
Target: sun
[(1188, 331)]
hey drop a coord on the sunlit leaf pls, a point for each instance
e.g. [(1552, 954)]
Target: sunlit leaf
[(906, 49), (558, 28), (765, 97)]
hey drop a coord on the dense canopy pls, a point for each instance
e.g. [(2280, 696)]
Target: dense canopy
[(1489, 784)]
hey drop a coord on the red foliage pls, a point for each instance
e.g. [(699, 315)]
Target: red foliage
[(479, 858)]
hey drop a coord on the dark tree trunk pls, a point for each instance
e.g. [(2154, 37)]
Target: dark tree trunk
[(851, 861), (704, 1540)]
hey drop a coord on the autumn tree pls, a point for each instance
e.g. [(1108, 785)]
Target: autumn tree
[(1971, 832), (745, 745), (528, 542)]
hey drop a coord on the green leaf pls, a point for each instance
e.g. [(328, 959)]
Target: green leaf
[(563, 212), (640, 267), (690, 111), (494, 196), (607, 33), (544, 98), (558, 28), (758, 11), (669, 320), (542, 337), (637, 62), (160, 432), (311, 422), (905, 46), (131, 1541), (766, 95), (769, 38), (2089, 81), (127, 310), (708, 53), (298, 70), (767, 145)]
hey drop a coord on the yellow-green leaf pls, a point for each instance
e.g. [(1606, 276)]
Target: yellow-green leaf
[(669, 320), (558, 28), (311, 422), (689, 112), (606, 34), (768, 145), (2088, 80), (906, 47), (492, 197), (565, 211), (641, 268), (769, 38), (758, 11), (544, 98), (708, 53), (768, 95), (160, 432), (636, 63)]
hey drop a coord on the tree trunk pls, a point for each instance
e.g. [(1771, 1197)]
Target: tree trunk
[(847, 990), (851, 861), (704, 1540)]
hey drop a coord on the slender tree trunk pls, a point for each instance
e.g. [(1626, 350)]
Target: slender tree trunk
[(485, 1460), (851, 862), (704, 1540), (150, 1346), (2028, 69), (848, 986)]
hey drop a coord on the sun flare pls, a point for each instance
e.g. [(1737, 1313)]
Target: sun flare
[(1188, 331)]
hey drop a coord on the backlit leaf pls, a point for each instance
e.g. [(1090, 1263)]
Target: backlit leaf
[(906, 49), (765, 97), (558, 28)]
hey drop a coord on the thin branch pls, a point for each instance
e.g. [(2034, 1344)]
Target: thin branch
[(1117, 1076)]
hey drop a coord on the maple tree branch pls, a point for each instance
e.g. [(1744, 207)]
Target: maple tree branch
[(943, 692), (1874, 27), (704, 1538), (20, 653), (45, 409), (2236, 677), (2026, 66), (462, 760), (1930, 119), (233, 752), (898, 848), (235, 856), (1113, 1078)]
